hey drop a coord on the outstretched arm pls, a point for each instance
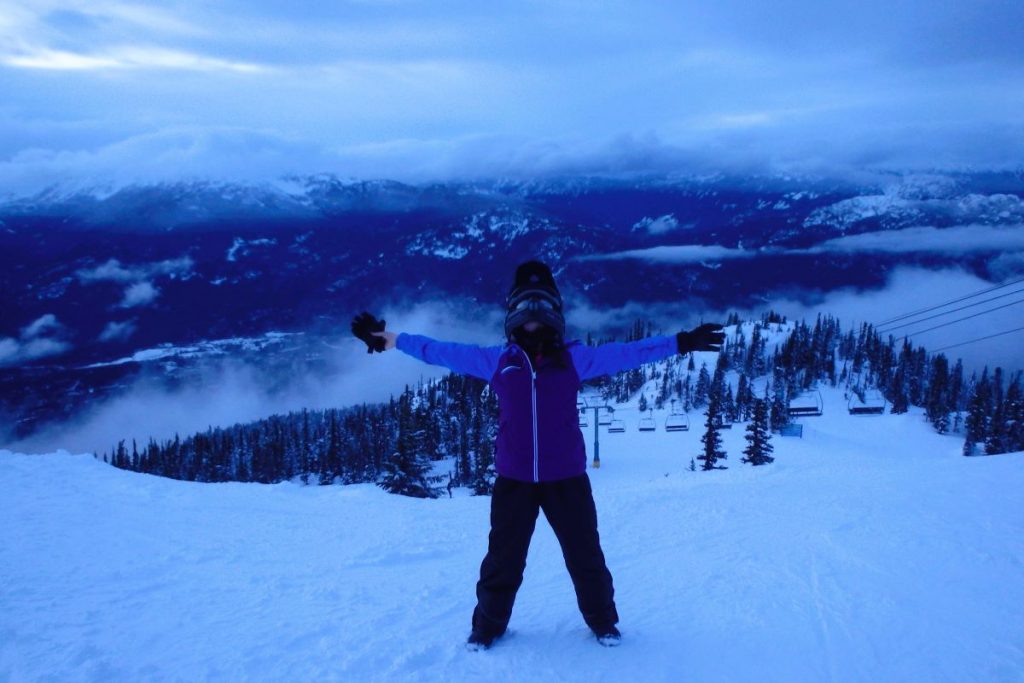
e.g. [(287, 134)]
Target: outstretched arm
[(607, 359), (466, 359)]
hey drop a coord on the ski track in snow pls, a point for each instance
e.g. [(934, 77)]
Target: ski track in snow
[(839, 562)]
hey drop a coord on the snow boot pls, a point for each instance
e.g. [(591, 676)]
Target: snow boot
[(608, 636), (478, 640)]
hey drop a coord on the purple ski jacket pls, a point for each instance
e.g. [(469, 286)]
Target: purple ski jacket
[(539, 438)]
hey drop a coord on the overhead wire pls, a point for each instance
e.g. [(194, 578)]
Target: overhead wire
[(971, 341), (947, 303), (952, 310), (967, 317)]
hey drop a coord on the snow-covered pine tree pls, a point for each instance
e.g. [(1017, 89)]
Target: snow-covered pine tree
[(758, 436), (330, 461), (1013, 412), (937, 406), (898, 392), (779, 408), (744, 398), (703, 389), (712, 440), (995, 440), (405, 472), (730, 413), (483, 474), (976, 424), (956, 393)]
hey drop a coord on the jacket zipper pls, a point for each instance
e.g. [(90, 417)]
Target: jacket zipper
[(533, 398)]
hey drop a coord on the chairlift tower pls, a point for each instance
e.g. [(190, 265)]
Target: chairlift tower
[(597, 408)]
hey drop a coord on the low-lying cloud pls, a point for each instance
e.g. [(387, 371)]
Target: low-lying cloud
[(139, 294), (964, 239), (231, 391), (956, 240), (41, 338), (139, 290), (114, 271), (118, 331), (683, 253), (657, 226)]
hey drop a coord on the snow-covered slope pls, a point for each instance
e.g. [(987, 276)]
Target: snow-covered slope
[(869, 551)]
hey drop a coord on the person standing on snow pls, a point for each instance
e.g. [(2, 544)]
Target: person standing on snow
[(540, 456)]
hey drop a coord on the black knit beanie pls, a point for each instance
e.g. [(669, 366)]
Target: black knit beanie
[(534, 275)]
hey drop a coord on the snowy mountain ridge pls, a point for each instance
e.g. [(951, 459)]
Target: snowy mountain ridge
[(197, 200)]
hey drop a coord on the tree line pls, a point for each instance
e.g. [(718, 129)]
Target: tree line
[(397, 444)]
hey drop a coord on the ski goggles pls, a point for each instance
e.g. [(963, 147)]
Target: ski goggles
[(538, 300)]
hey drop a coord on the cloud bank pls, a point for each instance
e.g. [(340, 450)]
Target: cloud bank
[(434, 91), (964, 239), (230, 391), (1007, 241)]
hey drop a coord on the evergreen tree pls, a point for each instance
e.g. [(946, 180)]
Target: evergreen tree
[(779, 410), (758, 436), (703, 388), (976, 425), (937, 407), (898, 395), (712, 440), (406, 471), (729, 411), (744, 399), (956, 390), (995, 440), (1013, 413)]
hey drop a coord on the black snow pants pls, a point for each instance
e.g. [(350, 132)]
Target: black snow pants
[(569, 507)]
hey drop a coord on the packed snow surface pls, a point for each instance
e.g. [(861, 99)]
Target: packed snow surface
[(871, 550)]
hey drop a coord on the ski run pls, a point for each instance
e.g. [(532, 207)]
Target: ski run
[(871, 550)]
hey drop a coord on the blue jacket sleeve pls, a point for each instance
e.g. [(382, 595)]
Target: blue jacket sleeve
[(465, 359), (607, 359)]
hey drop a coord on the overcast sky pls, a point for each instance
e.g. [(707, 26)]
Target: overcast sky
[(417, 90)]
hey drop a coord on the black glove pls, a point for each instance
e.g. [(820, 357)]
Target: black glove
[(707, 337), (362, 325)]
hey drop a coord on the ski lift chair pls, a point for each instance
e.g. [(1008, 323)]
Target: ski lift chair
[(807, 404), (873, 403), (604, 418), (677, 422), (583, 418), (617, 427), (647, 424)]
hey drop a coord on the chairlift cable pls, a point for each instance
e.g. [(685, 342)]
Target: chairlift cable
[(952, 310), (947, 324), (954, 301), (998, 334)]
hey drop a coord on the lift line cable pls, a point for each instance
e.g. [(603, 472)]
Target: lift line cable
[(954, 301), (952, 310), (947, 324), (997, 334)]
